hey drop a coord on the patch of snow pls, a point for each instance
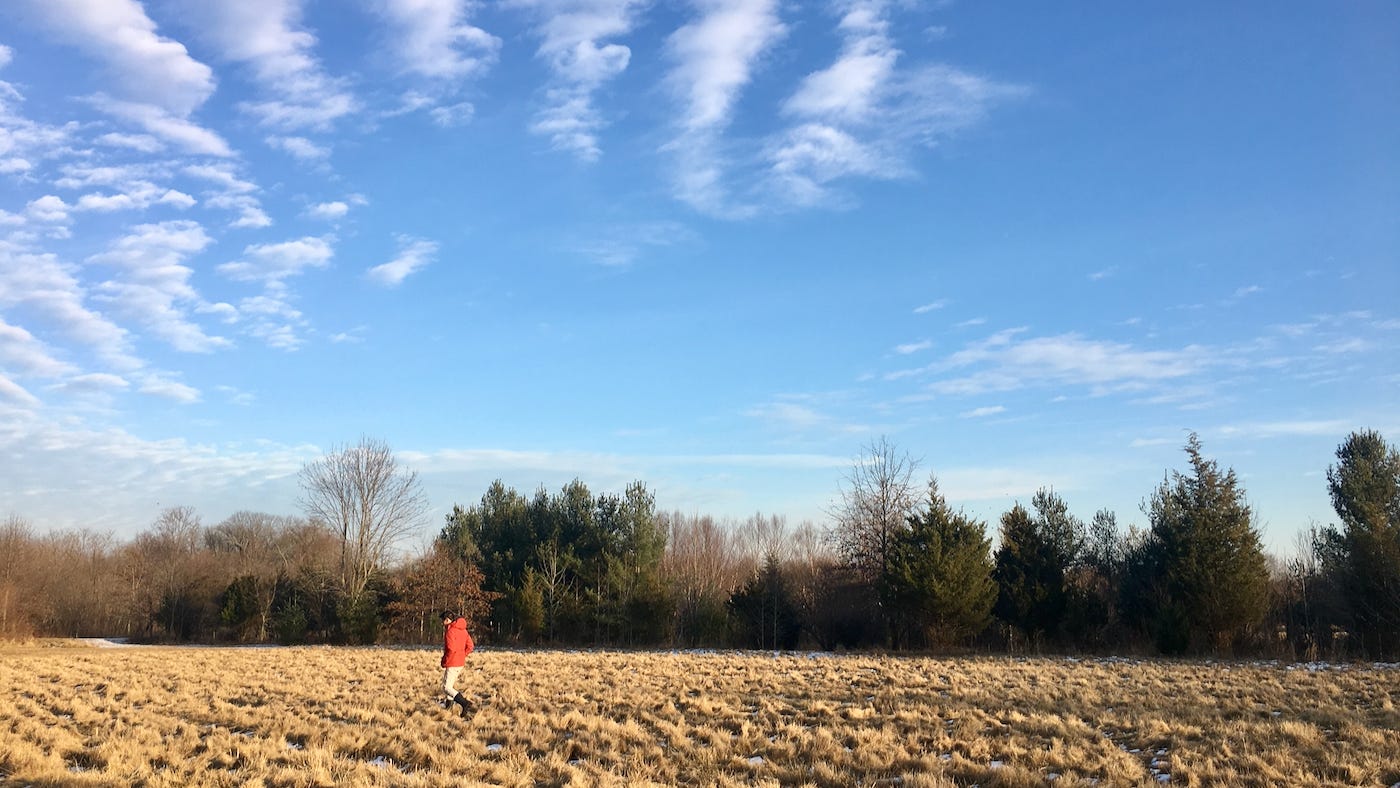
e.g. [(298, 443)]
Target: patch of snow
[(997, 764), (106, 642), (493, 747), (1052, 777), (756, 760), (1164, 778)]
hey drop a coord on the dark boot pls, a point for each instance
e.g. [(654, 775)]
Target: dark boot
[(466, 705)]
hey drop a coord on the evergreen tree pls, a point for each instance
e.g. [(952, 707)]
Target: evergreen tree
[(1208, 564), (1363, 555), (1030, 580), (764, 611), (942, 573)]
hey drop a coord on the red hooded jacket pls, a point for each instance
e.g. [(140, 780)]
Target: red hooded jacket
[(456, 644)]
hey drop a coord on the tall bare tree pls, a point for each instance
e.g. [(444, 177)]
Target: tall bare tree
[(16, 558), (877, 498), (368, 500)]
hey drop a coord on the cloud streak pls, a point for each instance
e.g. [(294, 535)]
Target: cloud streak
[(414, 255)]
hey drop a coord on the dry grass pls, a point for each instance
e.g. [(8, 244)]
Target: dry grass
[(333, 716)]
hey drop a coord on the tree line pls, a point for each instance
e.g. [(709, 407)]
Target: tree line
[(898, 568)]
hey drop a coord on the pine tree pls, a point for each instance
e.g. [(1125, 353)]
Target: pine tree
[(1364, 554), (1030, 586), (764, 611), (942, 573), (1208, 563)]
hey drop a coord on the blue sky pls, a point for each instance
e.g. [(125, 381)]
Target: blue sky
[(717, 245)]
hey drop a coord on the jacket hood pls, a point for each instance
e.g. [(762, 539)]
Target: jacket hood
[(460, 623)]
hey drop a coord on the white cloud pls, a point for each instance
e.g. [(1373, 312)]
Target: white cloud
[(42, 283), (275, 262), (235, 195), (714, 60), (14, 165), (223, 176), (23, 354), (96, 385), (621, 245), (432, 38), (716, 56), (850, 89), (138, 195), (808, 157), (1004, 363), (145, 143), (176, 198), (267, 36), (149, 67), (153, 286), (863, 117), (273, 319), (160, 385), (16, 394), (913, 347), (574, 37), (977, 413), (931, 306), (249, 210), (300, 147), (6, 55), (414, 255), (328, 210), (159, 122), (1337, 428), (449, 115), (49, 209)]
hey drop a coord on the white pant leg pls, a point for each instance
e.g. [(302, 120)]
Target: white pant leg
[(449, 681)]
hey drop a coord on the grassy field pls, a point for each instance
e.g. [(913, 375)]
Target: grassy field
[(340, 716)]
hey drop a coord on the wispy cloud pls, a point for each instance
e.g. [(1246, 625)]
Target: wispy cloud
[(913, 347), (861, 116), (714, 57), (233, 194), (300, 147), (433, 41), (575, 44), (147, 67), (277, 261), (619, 246), (50, 288), (159, 122), (433, 38), (414, 255), (1004, 362), (21, 353), (931, 306), (800, 413), (978, 413), (153, 288), (267, 36)]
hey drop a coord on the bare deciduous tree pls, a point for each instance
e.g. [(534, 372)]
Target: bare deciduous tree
[(16, 548), (371, 503), (877, 497)]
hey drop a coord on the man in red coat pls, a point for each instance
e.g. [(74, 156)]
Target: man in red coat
[(456, 645)]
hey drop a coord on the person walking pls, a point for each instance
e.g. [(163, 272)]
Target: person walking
[(456, 645)]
